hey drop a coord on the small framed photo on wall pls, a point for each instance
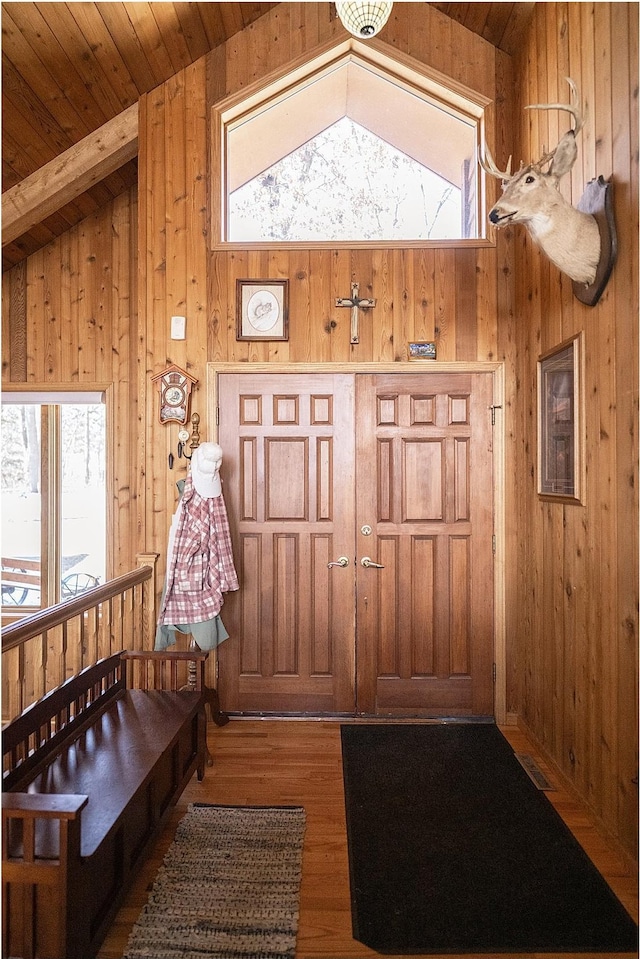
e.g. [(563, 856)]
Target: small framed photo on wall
[(422, 351), (262, 309), (560, 417)]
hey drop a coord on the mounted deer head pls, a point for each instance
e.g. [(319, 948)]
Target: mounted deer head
[(569, 237)]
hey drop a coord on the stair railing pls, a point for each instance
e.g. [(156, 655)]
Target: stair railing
[(44, 649)]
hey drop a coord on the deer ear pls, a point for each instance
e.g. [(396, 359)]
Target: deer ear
[(564, 156)]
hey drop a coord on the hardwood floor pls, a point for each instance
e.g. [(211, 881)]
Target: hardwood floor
[(267, 762)]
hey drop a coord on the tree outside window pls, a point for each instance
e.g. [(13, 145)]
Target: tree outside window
[(53, 501), (352, 147), (347, 184)]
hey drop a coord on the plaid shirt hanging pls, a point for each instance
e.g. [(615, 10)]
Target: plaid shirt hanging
[(200, 568)]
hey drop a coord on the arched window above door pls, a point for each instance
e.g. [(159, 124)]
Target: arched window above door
[(355, 147)]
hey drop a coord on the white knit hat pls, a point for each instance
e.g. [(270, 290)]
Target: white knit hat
[(205, 466)]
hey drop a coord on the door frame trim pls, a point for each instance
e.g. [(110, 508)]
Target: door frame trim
[(497, 369)]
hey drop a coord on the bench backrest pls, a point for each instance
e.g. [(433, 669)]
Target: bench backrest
[(32, 740)]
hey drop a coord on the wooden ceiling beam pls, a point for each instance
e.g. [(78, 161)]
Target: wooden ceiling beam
[(68, 176)]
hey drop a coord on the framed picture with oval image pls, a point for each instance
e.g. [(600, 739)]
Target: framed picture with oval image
[(262, 309)]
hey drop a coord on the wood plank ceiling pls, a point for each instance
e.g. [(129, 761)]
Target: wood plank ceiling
[(67, 68)]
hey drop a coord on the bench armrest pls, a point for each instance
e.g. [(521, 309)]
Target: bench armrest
[(43, 805), (40, 857), (165, 669)]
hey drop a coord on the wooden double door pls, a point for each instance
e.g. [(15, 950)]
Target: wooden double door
[(361, 513)]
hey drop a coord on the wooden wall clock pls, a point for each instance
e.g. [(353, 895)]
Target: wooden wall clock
[(174, 389)]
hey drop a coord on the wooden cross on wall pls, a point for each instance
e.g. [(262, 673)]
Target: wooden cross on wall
[(355, 304)]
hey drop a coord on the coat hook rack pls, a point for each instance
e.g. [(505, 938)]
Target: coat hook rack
[(194, 442)]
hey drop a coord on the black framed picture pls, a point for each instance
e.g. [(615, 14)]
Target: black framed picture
[(560, 422)]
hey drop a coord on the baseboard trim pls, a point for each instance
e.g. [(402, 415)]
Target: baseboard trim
[(566, 783)]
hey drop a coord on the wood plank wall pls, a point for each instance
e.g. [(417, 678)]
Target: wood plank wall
[(571, 571), (69, 316), (449, 295), (573, 626)]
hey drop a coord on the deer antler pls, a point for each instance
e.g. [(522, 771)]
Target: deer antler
[(544, 159), (488, 164), (573, 108)]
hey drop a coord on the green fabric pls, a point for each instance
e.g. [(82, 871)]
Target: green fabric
[(208, 635)]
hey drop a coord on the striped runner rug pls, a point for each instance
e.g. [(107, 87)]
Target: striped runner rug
[(229, 887)]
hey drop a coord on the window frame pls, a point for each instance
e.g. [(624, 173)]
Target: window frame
[(406, 71), (51, 397)]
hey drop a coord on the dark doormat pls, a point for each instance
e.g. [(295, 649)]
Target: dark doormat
[(452, 849)]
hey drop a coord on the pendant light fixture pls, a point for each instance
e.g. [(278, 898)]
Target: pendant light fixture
[(364, 19)]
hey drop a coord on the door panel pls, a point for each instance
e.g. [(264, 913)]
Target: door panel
[(288, 486), (309, 462), (424, 486)]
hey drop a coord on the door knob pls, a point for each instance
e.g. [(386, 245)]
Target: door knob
[(366, 562), (343, 561)]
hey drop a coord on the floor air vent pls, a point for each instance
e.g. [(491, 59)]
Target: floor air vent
[(534, 772)]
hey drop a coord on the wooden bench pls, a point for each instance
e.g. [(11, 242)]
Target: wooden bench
[(90, 773)]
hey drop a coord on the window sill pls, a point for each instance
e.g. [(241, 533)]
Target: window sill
[(476, 243)]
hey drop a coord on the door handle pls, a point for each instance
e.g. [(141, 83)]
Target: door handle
[(366, 562), (343, 561)]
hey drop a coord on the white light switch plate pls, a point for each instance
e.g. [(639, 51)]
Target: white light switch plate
[(178, 327)]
